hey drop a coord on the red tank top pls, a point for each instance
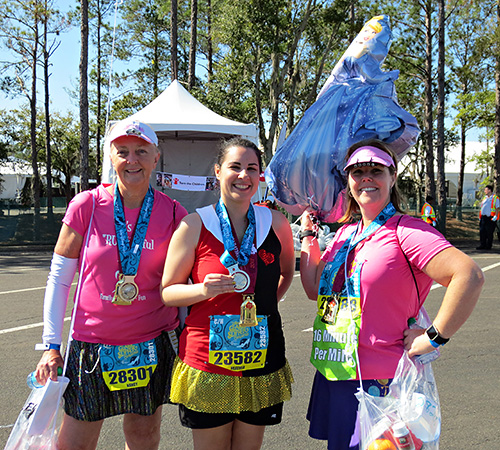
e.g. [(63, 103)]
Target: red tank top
[(194, 340)]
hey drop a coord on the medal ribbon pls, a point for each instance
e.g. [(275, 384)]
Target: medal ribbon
[(130, 254), (334, 350), (340, 257), (243, 253), (244, 261)]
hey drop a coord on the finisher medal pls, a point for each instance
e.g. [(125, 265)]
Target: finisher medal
[(248, 312), (126, 290), (241, 278)]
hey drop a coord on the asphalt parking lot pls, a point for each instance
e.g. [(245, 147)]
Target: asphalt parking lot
[(466, 373)]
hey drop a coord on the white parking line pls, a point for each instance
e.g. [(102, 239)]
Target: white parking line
[(27, 327), (22, 290), (26, 290)]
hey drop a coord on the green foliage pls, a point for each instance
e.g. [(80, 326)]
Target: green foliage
[(259, 75), (65, 140), (144, 34), (15, 132), (4, 150)]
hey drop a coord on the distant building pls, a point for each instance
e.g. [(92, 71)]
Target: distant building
[(472, 176)]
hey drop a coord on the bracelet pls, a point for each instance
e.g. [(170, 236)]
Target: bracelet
[(307, 233), (46, 347)]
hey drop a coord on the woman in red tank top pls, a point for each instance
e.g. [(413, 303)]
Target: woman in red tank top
[(229, 264)]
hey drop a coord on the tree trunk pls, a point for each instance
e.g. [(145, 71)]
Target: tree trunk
[(84, 100), (441, 178), (47, 114), (294, 79), (99, 113), (352, 20), (311, 97), (173, 41), (276, 86), (430, 184), (497, 113), (35, 181), (460, 189), (192, 44), (210, 49)]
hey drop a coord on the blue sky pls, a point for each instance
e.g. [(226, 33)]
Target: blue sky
[(64, 75)]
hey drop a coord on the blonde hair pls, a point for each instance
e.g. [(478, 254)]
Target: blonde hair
[(374, 23)]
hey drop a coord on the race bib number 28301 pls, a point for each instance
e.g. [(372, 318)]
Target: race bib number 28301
[(128, 366)]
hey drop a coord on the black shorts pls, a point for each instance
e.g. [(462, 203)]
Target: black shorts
[(198, 420)]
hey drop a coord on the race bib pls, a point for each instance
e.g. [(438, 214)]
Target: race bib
[(237, 348), (336, 331), (128, 366)]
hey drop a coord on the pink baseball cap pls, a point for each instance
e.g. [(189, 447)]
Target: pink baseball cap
[(133, 128), (369, 155)]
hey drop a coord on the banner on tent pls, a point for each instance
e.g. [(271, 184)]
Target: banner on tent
[(185, 182)]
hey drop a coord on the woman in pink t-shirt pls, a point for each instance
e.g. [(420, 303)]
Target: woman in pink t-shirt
[(369, 282), (124, 339)]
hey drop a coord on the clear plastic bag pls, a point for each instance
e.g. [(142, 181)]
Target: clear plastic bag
[(36, 426), (412, 400)]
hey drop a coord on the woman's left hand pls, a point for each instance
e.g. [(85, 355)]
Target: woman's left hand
[(416, 342)]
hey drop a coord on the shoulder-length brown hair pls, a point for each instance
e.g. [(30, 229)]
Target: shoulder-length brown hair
[(395, 198)]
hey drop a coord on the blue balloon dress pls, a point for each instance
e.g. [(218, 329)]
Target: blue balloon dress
[(357, 102)]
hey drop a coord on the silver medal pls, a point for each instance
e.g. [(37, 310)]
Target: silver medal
[(241, 281)]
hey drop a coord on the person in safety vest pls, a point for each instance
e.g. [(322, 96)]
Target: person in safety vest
[(488, 217), (428, 214)]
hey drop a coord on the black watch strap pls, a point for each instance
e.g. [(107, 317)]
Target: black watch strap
[(435, 337), (307, 233)]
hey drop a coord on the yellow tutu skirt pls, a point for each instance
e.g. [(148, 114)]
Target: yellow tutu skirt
[(214, 393)]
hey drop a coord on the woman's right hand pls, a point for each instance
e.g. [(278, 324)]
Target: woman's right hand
[(47, 367), (217, 283), (307, 221)]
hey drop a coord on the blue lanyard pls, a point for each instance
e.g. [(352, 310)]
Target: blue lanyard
[(340, 258), (130, 254), (245, 249)]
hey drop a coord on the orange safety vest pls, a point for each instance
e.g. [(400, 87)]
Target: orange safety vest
[(494, 211), (429, 218)]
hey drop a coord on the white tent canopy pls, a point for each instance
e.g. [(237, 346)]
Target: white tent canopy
[(188, 134), (14, 172)]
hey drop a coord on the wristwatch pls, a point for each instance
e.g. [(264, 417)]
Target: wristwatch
[(306, 233), (435, 338)]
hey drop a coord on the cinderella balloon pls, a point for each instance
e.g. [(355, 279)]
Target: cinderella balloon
[(357, 102)]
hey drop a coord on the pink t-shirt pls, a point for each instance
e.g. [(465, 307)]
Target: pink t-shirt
[(388, 293), (97, 319)]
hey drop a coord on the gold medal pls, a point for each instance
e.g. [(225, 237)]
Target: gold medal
[(248, 311), (126, 291)]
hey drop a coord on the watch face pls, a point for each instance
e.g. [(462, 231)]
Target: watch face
[(435, 337), (432, 333)]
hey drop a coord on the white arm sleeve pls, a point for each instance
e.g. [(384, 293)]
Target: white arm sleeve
[(62, 272)]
